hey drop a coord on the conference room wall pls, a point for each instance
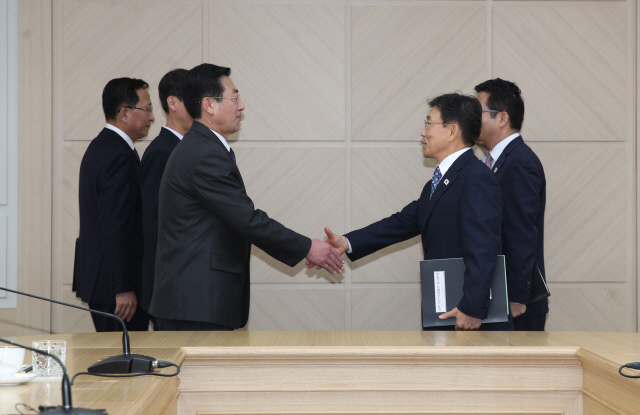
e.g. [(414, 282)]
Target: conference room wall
[(335, 95)]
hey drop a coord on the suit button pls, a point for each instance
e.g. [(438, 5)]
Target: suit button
[(528, 287)]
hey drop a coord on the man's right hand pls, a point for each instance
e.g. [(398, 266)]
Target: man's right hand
[(126, 304), (339, 242), (324, 255)]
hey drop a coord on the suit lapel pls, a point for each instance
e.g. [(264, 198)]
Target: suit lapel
[(445, 183), (205, 131), (123, 144), (505, 153), (169, 136)]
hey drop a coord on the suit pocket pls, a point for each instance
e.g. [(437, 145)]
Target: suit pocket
[(226, 264)]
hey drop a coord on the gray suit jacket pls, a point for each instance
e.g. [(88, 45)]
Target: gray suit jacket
[(206, 225)]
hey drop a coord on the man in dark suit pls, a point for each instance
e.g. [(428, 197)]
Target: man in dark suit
[(523, 185), (108, 260), (152, 166), (458, 213), (207, 222)]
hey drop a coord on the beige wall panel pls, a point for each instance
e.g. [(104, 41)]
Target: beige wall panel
[(289, 184), (384, 180), (571, 63), (587, 222), (589, 307), (386, 307), (288, 61), (403, 55), (294, 308), (70, 320), (106, 40), (34, 170)]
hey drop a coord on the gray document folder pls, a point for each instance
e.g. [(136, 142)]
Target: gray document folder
[(442, 282)]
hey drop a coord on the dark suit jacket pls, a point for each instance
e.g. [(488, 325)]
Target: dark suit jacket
[(524, 196), (462, 220), (108, 257), (152, 166), (206, 225)]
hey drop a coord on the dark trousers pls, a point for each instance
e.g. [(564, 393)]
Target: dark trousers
[(187, 325), (530, 323), (139, 322)]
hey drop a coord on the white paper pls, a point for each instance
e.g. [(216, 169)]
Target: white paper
[(440, 291)]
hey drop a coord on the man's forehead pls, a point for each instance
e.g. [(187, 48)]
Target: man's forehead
[(433, 114), (143, 95), (228, 84)]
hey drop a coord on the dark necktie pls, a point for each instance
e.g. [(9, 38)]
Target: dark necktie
[(435, 180), (233, 155), (136, 153)]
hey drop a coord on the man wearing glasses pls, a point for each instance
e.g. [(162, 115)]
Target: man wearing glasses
[(458, 213), (523, 184), (108, 258), (207, 222)]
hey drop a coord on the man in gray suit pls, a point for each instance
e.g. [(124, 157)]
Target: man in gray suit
[(207, 222)]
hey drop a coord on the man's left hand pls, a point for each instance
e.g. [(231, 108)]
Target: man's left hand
[(517, 309), (463, 321)]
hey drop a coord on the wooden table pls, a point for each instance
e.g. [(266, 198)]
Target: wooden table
[(252, 372)]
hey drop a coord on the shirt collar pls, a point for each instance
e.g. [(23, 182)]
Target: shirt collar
[(122, 134), (499, 148), (177, 134), (223, 141), (448, 161)]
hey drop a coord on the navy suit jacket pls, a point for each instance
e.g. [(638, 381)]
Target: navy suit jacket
[(462, 220), (152, 166), (108, 259), (206, 225), (521, 178)]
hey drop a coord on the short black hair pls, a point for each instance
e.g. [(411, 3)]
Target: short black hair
[(465, 110), (170, 86), (504, 96), (199, 82), (119, 93)]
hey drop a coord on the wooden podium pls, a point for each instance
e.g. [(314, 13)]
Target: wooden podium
[(451, 373)]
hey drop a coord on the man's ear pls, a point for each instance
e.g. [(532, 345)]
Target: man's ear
[(171, 102), (209, 105), (503, 119), (123, 115)]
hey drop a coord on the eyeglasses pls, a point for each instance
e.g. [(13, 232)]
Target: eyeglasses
[(428, 123), (150, 109), (495, 111), (236, 98)]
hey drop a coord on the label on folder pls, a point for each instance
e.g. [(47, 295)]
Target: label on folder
[(440, 291)]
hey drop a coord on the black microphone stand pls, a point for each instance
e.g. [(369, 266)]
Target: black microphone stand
[(124, 363), (66, 408)]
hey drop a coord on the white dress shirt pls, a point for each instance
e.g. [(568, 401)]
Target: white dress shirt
[(223, 141), (174, 131), (122, 134), (499, 148)]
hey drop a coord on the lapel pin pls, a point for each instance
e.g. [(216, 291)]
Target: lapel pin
[(495, 170), (446, 182)]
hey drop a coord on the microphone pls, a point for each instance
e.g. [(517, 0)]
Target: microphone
[(124, 363), (66, 408)]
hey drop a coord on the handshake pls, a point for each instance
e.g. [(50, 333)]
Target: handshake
[(327, 254)]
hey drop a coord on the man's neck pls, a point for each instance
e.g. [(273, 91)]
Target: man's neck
[(175, 126), (211, 126), (122, 127), (451, 151), (503, 134)]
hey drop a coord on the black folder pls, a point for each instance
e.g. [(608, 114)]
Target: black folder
[(442, 282), (539, 288)]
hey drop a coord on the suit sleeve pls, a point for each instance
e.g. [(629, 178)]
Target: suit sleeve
[(481, 221), (120, 227), (151, 170), (396, 228), (217, 183), (521, 206)]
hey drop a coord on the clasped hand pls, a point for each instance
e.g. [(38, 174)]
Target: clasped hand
[(327, 254)]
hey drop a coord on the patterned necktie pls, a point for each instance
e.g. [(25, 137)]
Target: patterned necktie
[(489, 160), (435, 180), (233, 155)]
